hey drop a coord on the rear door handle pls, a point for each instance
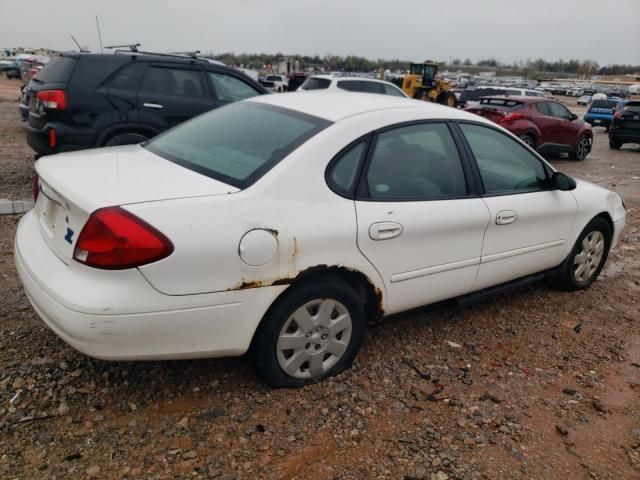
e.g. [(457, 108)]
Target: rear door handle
[(384, 230), (157, 106), (505, 217)]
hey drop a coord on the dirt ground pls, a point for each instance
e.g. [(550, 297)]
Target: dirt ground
[(537, 384)]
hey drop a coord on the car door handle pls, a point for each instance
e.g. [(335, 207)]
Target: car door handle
[(505, 217), (384, 230), (157, 106)]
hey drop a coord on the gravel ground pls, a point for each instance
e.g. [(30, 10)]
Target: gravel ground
[(535, 384)]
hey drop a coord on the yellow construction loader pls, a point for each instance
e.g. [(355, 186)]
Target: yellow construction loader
[(421, 83)]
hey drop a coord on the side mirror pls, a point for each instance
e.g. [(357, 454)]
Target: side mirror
[(560, 181), (573, 116)]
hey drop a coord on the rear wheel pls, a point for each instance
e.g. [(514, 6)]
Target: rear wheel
[(314, 332), (589, 254), (125, 139), (582, 148), (615, 144), (529, 140), (447, 98)]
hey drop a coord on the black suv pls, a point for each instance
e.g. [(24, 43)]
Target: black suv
[(83, 100)]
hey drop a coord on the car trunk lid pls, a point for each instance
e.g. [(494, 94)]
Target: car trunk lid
[(73, 185)]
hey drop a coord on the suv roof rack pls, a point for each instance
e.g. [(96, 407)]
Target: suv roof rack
[(133, 47)]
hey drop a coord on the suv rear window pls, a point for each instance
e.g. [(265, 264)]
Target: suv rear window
[(632, 107), (58, 70), (315, 84), (239, 143), (603, 106), (501, 104)]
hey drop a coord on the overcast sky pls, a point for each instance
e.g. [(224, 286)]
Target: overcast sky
[(607, 31)]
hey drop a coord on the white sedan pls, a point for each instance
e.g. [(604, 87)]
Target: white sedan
[(282, 223)]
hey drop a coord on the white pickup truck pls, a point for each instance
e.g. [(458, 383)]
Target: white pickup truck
[(280, 82)]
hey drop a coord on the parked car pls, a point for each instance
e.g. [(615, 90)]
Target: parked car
[(295, 80), (545, 125), (10, 70), (223, 248), (600, 113), (625, 127), (82, 100), (584, 100), (351, 84), (280, 82), (470, 97)]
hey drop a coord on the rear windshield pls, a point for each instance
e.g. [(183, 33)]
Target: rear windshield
[(315, 84), (500, 104), (475, 95), (603, 105), (58, 70), (273, 78), (632, 107), (239, 143)]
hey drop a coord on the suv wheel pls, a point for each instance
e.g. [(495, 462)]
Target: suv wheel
[(313, 333), (582, 148), (615, 144), (589, 254), (126, 139), (529, 140)]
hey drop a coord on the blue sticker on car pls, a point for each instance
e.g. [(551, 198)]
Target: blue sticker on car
[(69, 236)]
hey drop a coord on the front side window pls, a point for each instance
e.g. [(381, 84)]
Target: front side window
[(505, 165), (231, 89), (173, 82), (558, 111), (238, 143), (415, 162), (542, 108)]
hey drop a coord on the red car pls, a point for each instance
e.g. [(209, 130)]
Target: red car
[(545, 125)]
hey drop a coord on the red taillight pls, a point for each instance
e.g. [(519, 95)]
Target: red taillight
[(52, 138), (115, 239), (511, 117), (54, 99), (36, 187)]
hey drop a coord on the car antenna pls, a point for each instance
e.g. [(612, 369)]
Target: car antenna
[(76, 42), (104, 68)]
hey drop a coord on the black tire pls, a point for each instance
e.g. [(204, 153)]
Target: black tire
[(447, 98), (615, 144), (125, 139), (420, 95), (565, 278), (265, 350), (529, 140), (582, 148)]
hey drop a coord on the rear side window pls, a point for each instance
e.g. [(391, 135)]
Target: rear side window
[(173, 82), (231, 89), (350, 85), (416, 162), (315, 84), (58, 70), (390, 90), (128, 78), (343, 170), (372, 87), (238, 143), (505, 165)]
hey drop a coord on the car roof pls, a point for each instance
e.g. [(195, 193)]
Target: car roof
[(337, 105), (351, 77)]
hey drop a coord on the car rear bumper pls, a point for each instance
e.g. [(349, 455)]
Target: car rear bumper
[(625, 135), (67, 139), (118, 316), (598, 121)]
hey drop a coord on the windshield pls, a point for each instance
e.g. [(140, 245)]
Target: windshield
[(315, 84), (239, 143)]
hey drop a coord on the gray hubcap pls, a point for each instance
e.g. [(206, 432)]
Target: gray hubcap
[(583, 147), (586, 262), (314, 338)]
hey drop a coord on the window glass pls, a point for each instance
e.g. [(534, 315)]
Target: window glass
[(313, 83), (238, 143), (391, 90), (542, 108), (513, 92), (350, 85), (231, 89), (128, 77), (416, 162), (558, 111), (372, 87), (343, 171), (505, 165), (174, 82)]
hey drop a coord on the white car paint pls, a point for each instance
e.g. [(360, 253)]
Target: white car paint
[(335, 80), (208, 297)]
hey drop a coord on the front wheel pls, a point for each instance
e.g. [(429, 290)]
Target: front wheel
[(582, 148), (313, 333), (589, 254)]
